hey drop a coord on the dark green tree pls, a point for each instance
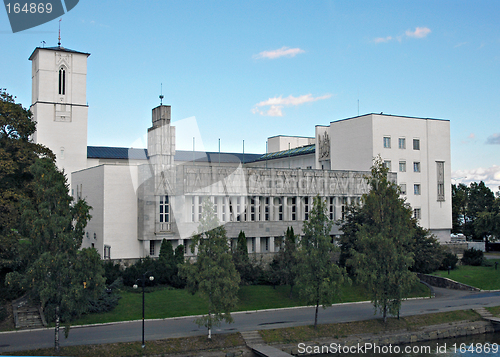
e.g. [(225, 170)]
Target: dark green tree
[(284, 263), (459, 201), (481, 203), (427, 252), (384, 255), (213, 274), (242, 261), (318, 277), (17, 154), (58, 274)]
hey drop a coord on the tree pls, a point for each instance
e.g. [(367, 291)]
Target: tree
[(384, 244), (284, 264), (57, 274), (481, 200), (17, 154), (213, 274), (318, 277), (459, 201), (427, 252)]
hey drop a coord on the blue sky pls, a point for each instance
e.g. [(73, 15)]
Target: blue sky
[(247, 70)]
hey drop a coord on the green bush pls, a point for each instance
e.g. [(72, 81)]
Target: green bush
[(473, 257), (449, 260), (108, 300)]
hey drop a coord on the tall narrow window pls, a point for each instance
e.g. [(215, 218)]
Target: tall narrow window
[(416, 189), (416, 144), (332, 208), (402, 166), (266, 209), (402, 143), (416, 167), (306, 208), (152, 247), (387, 142), (440, 180), (164, 209), (62, 81), (344, 207)]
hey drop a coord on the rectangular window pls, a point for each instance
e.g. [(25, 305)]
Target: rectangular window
[(253, 245), (164, 209), (416, 189), (107, 252), (216, 207), (402, 166), (402, 143), (238, 208), (440, 180), (417, 213), (224, 203), (266, 209), (193, 209), (306, 208), (403, 188), (387, 164), (332, 208), (152, 247), (293, 204), (252, 209), (416, 144), (200, 207), (344, 207), (416, 167), (387, 142)]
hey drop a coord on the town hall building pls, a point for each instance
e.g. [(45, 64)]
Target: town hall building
[(141, 196)]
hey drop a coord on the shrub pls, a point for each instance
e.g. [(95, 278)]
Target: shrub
[(473, 257), (449, 260), (108, 300)]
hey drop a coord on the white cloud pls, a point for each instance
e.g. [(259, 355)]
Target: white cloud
[(493, 139), (420, 32), (276, 104), (490, 176), (460, 44), (281, 52)]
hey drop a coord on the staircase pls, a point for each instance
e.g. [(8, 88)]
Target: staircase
[(27, 316)]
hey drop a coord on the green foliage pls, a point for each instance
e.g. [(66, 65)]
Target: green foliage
[(112, 271), (348, 241), (449, 260), (213, 274), (17, 155), (473, 257), (318, 277), (108, 299), (384, 240), (427, 252), (284, 264)]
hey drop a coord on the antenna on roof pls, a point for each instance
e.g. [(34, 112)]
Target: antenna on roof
[(161, 94), (43, 44), (59, 38)]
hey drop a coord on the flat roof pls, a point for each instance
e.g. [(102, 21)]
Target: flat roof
[(58, 48)]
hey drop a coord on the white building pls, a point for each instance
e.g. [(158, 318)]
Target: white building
[(140, 197)]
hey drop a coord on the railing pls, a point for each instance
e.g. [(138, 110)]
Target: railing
[(164, 227)]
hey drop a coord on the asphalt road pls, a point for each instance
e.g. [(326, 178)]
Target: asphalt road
[(445, 300)]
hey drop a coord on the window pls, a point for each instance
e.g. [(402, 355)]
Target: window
[(387, 164), (416, 189), (306, 208), (402, 166), (95, 235), (440, 180), (152, 247), (387, 142), (253, 245), (416, 144), (164, 209), (224, 203), (344, 207), (332, 208), (200, 208), (402, 143), (266, 209), (403, 188), (293, 204), (62, 81), (416, 167), (193, 209), (252, 209), (417, 213), (216, 207), (107, 252)]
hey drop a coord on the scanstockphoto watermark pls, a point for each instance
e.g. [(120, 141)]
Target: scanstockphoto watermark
[(372, 348), (24, 15)]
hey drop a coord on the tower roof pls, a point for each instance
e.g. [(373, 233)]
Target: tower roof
[(57, 48)]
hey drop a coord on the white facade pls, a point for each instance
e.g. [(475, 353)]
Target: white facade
[(416, 149), (140, 197), (59, 105)]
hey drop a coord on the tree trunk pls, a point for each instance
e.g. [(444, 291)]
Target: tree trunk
[(56, 337), (316, 315)]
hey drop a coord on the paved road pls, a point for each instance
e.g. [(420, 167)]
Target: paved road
[(445, 300)]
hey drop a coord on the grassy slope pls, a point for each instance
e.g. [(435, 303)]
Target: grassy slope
[(482, 277)]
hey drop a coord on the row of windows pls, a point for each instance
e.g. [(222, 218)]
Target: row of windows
[(401, 143), (402, 166), (417, 189), (238, 209)]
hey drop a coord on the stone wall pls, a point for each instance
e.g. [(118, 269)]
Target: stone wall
[(445, 283)]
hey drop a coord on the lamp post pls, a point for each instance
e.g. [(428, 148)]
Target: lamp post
[(143, 279)]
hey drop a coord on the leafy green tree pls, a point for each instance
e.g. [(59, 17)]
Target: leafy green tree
[(427, 252), (57, 274), (348, 241), (17, 154), (318, 277), (384, 240), (481, 203), (213, 274), (245, 267), (284, 264), (459, 201)]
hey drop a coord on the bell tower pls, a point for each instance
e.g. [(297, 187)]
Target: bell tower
[(59, 104)]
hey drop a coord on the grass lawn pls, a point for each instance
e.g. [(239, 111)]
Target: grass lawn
[(167, 302), (482, 277)]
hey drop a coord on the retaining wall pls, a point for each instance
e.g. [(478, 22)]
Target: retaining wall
[(445, 283)]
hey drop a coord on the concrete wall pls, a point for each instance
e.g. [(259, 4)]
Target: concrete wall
[(282, 142)]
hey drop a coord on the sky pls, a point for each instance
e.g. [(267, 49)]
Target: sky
[(249, 70)]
